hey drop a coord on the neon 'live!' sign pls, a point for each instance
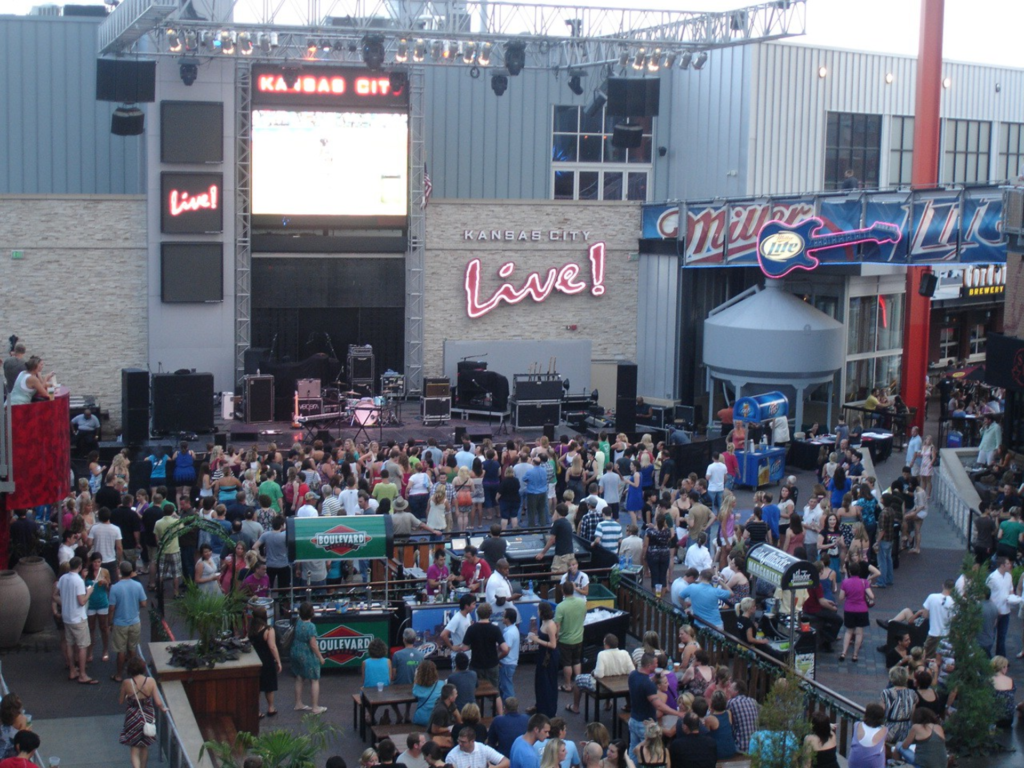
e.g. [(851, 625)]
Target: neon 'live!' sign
[(180, 201), (191, 203), (564, 279)]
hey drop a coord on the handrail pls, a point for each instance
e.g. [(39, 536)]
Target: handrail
[(37, 759), (648, 612), (954, 492), (169, 740)]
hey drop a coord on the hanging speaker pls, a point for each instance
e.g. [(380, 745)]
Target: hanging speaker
[(929, 283), (633, 97), (627, 136)]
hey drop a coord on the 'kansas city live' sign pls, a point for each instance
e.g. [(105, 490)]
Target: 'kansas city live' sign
[(191, 203), (317, 85)]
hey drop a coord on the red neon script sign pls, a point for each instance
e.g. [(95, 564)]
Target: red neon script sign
[(326, 85), (564, 280), (182, 202)]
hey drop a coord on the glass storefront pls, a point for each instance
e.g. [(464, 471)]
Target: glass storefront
[(874, 344)]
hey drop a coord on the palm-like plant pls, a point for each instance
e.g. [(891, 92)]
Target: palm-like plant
[(279, 748), (206, 615)]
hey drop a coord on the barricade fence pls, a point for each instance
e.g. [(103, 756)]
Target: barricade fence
[(757, 669)]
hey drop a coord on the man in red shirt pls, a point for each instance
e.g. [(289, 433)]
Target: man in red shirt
[(732, 466), (26, 743), (475, 570)]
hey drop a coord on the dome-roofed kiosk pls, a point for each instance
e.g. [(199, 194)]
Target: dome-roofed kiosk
[(765, 339)]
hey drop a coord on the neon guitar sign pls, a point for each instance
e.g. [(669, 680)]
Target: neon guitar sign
[(564, 279), (782, 247)]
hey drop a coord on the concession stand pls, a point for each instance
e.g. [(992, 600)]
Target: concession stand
[(760, 464), (788, 635), (352, 615)]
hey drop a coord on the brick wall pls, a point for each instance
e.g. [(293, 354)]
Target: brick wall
[(609, 320), (78, 297)]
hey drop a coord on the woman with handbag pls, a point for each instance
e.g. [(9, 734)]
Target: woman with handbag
[(139, 695)]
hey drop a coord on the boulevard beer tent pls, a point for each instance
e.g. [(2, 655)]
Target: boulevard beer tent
[(345, 625)]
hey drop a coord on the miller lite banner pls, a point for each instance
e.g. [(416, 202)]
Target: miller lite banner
[(352, 537), (921, 227)]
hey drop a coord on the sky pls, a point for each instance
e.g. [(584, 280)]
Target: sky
[(982, 31)]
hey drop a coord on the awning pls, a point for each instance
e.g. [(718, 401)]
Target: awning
[(970, 373)]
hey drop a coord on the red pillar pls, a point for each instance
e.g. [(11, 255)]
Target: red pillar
[(925, 173)]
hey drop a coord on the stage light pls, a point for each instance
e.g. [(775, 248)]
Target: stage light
[(515, 56), (419, 50), (312, 47), (227, 41), (244, 43), (207, 40), (575, 83), (670, 59), (468, 52), (188, 71), (654, 61), (597, 103), (499, 84), (484, 59), (452, 51), (700, 59), (402, 51), (640, 58), (624, 59), (373, 52), (173, 40), (191, 40), (685, 59), (267, 40), (127, 120), (397, 81), (290, 75), (437, 50), (325, 46)]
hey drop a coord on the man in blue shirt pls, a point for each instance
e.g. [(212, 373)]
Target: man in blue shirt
[(127, 598), (536, 478), (507, 664), (505, 729), (643, 701), (464, 458), (522, 754), (771, 514), (704, 597)]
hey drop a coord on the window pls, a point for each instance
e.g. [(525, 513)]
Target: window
[(901, 150), (874, 343), (965, 151), (585, 165), (852, 142), (976, 342), (949, 343), (1011, 150)]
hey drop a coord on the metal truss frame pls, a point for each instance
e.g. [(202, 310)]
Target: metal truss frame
[(573, 35), (415, 257), (243, 225)]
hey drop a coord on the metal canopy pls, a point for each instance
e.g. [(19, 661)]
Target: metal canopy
[(556, 35)]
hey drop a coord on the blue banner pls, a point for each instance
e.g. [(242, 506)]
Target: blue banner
[(839, 215), (981, 240), (895, 212), (935, 230)]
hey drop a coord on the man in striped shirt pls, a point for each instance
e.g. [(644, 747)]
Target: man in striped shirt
[(609, 531), (332, 503)]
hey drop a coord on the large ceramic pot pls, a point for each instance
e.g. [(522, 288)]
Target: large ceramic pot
[(38, 575), (14, 604)]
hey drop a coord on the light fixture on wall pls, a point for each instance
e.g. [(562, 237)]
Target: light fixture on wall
[(822, 71), (947, 82), (889, 77)]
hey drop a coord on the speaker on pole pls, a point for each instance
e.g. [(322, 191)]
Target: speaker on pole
[(183, 402), (134, 405), (625, 398), (929, 282)]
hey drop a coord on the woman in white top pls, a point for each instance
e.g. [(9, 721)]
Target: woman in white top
[(30, 383), (698, 556), (916, 517)]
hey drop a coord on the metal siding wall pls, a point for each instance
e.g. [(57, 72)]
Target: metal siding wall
[(55, 135), (705, 126), (657, 326)]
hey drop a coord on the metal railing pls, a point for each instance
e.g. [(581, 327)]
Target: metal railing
[(947, 492), (169, 742), (4, 690), (757, 669)]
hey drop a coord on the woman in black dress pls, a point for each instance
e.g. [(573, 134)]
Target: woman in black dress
[(545, 679), (265, 644)]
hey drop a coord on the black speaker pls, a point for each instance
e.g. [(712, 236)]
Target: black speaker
[(243, 436), (183, 402), (627, 136), (259, 398), (460, 433), (253, 358), (127, 81), (625, 398), (360, 367), (633, 97), (134, 406), (549, 432), (929, 283), (221, 439), (127, 121)]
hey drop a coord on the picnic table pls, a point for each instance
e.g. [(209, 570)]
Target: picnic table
[(610, 688), (392, 695)]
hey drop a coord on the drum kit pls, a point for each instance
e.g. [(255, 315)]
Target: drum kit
[(355, 408)]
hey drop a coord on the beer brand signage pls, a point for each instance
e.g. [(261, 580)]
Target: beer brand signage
[(780, 569), (569, 279), (347, 644), (317, 85), (191, 203), (339, 538), (983, 281), (782, 248)]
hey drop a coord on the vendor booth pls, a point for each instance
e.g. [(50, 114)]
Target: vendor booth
[(763, 463), (349, 618), (789, 636)]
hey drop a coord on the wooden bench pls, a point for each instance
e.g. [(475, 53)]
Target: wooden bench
[(399, 732)]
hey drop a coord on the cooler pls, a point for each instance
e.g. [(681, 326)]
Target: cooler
[(600, 597)]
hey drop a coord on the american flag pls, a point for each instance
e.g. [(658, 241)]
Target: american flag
[(427, 187)]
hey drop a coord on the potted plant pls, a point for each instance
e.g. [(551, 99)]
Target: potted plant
[(209, 618), (279, 748)]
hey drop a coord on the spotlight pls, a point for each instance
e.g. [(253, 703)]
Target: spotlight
[(654, 61), (685, 59), (227, 41), (173, 40), (127, 120), (419, 50), (499, 84), (670, 59), (436, 50), (290, 75), (484, 59), (373, 52), (397, 81), (191, 40), (468, 52), (700, 59), (207, 40), (624, 59), (402, 52), (822, 71), (575, 84), (267, 40), (515, 56), (312, 47), (889, 77), (325, 46), (947, 82), (597, 103), (244, 43), (640, 58), (451, 53), (188, 71)]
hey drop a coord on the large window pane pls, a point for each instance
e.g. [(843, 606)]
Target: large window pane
[(564, 148), (887, 372), (612, 185), (637, 186), (567, 119), (565, 185), (588, 185), (852, 142), (890, 321), (862, 325), (593, 123), (858, 379), (590, 148)]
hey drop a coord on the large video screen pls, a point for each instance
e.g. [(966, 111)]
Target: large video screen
[(308, 163)]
